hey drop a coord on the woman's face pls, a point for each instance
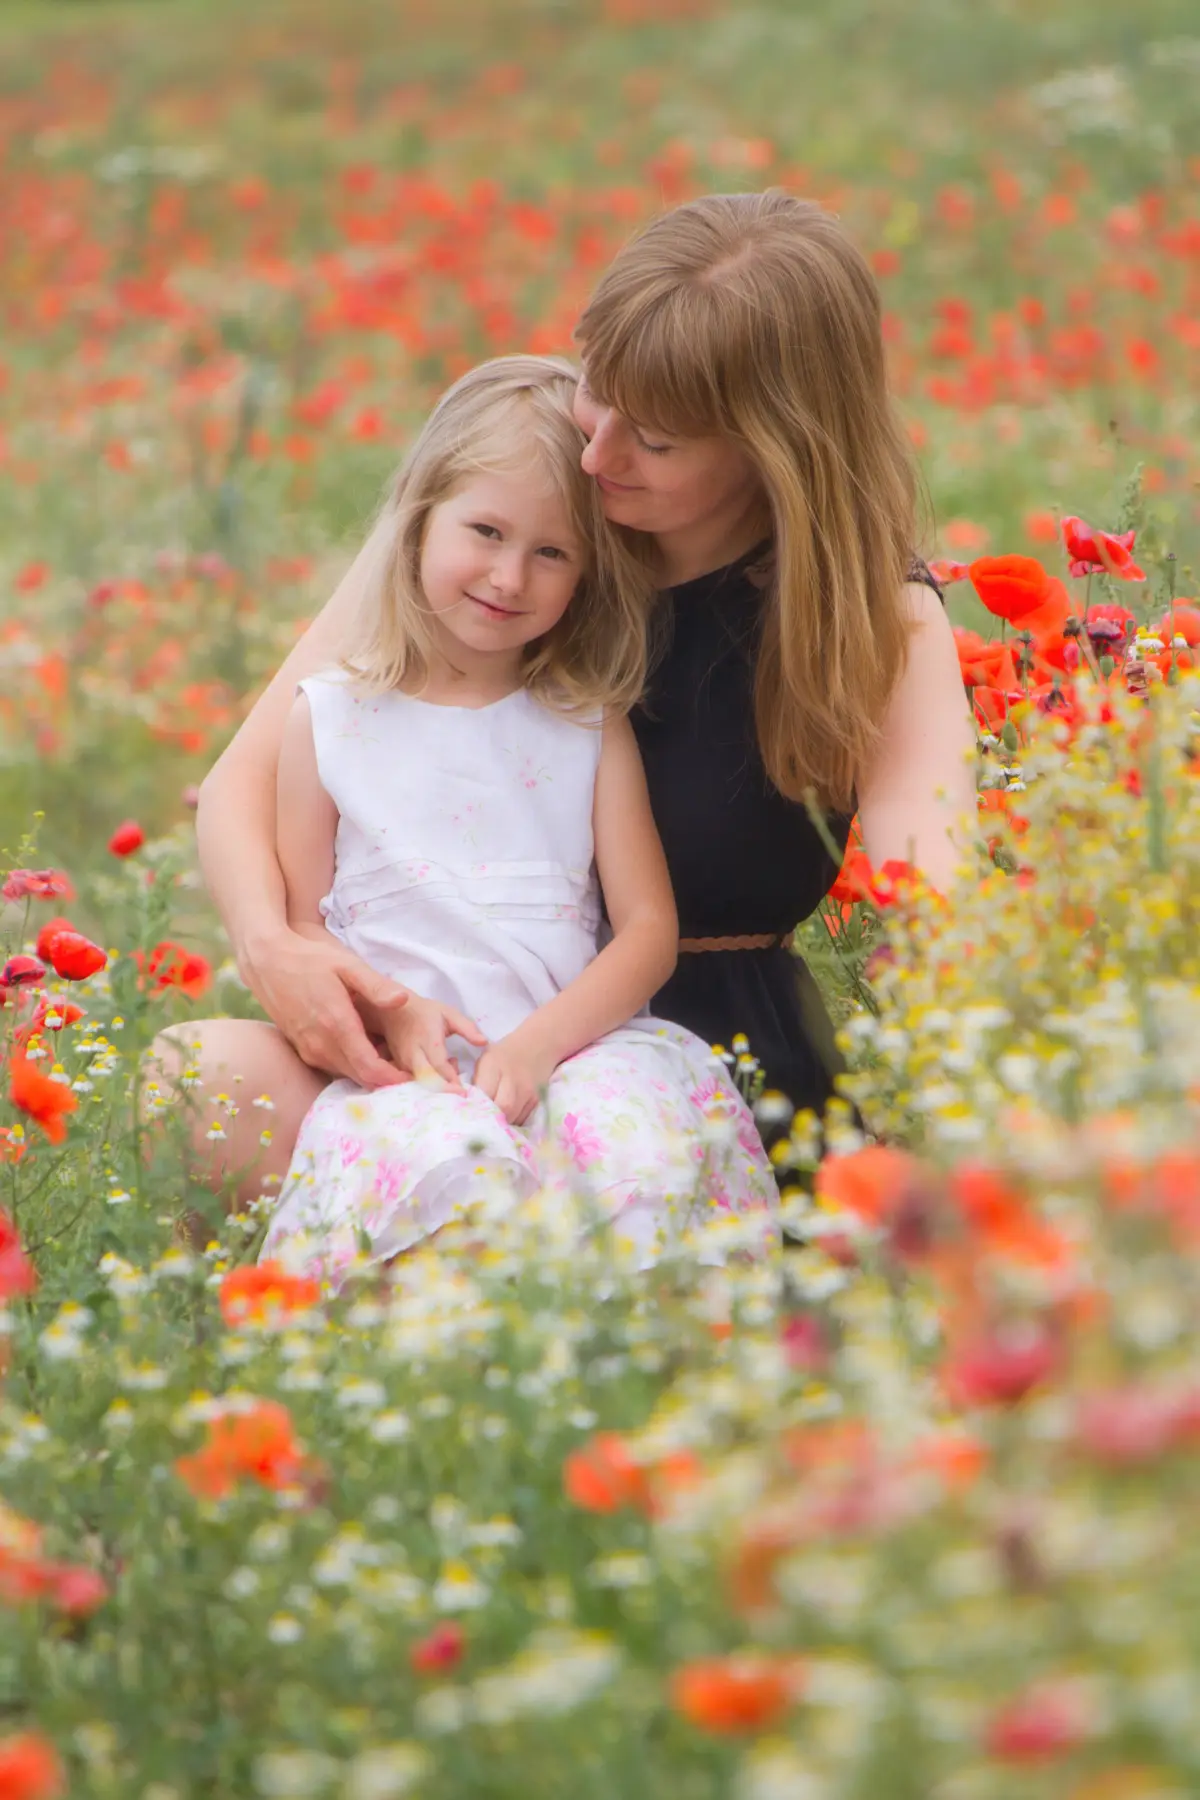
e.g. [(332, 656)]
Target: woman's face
[(662, 485)]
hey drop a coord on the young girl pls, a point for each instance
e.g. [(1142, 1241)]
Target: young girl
[(453, 803)]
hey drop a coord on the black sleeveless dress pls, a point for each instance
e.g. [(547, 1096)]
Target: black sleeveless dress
[(744, 861)]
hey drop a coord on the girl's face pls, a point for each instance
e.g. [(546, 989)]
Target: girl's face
[(499, 565), (662, 485)]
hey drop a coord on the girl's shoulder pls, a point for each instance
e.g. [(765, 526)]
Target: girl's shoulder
[(556, 709), (338, 677)]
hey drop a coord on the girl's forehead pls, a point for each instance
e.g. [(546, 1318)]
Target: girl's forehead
[(527, 492)]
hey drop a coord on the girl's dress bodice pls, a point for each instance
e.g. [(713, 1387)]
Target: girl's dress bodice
[(464, 851)]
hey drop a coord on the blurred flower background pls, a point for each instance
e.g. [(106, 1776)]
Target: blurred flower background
[(907, 1512)]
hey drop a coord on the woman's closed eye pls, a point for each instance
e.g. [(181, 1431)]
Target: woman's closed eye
[(654, 449)]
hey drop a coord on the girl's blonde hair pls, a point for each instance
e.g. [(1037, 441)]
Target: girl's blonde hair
[(753, 317), (512, 414)]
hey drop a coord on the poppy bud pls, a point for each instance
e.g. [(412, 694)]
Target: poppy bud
[(127, 838)]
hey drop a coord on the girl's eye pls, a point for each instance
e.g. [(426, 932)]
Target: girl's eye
[(654, 449), (485, 530), (553, 551)]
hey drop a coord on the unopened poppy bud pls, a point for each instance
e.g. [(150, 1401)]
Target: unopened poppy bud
[(1009, 736)]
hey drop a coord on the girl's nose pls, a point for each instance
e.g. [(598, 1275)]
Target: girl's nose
[(508, 570)]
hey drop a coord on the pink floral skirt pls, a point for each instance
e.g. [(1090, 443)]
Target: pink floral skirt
[(645, 1125)]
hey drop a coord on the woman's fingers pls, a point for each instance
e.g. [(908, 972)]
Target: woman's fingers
[(387, 995), (334, 1040)]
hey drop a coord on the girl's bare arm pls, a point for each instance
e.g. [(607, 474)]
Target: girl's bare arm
[(641, 910)]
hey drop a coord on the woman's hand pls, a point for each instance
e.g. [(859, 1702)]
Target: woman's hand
[(514, 1072), (416, 1040), (307, 987)]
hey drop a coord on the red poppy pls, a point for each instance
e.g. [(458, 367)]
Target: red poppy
[(127, 838), (17, 1273), (986, 663), (47, 935), (21, 972), (256, 1445), (75, 957), (12, 1150), (736, 1695), (37, 884), (872, 1183), (1037, 1726), (1001, 1367), (441, 1649), (47, 1102), (1053, 613), (170, 965), (1108, 625), (1100, 552), (895, 882), (1011, 587), (1183, 620), (48, 1015), (1136, 1423), (945, 571), (853, 881), (602, 1477), (263, 1291), (30, 1768)]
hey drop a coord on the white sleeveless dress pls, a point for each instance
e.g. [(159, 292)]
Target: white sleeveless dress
[(464, 870)]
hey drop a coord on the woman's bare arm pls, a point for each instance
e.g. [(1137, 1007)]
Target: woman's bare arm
[(917, 803), (306, 987)]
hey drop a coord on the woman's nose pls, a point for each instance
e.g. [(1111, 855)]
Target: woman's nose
[(599, 451)]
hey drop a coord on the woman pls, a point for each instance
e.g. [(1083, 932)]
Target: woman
[(735, 399)]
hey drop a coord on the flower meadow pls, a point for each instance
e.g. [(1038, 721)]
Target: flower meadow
[(904, 1510)]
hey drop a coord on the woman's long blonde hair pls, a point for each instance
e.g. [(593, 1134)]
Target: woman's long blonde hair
[(512, 414), (753, 317)]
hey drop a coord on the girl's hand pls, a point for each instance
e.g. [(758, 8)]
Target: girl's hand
[(514, 1073), (416, 1039)]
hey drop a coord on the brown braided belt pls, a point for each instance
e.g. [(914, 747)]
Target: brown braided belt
[(766, 940)]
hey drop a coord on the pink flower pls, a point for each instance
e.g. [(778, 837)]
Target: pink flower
[(349, 1149), (1038, 1726), (391, 1172), (1002, 1366), (581, 1142)]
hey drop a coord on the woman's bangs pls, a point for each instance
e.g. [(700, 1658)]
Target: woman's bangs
[(654, 371)]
